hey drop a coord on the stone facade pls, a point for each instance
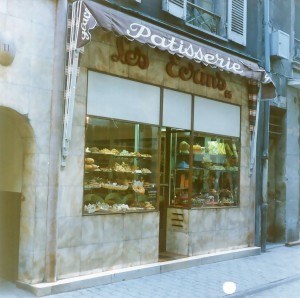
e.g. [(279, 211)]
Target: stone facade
[(56, 241)]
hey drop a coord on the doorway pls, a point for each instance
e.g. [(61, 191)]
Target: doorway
[(169, 138)]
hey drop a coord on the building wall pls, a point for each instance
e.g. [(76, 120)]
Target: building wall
[(27, 92), (292, 165)]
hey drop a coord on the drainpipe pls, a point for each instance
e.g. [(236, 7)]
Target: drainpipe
[(265, 154)]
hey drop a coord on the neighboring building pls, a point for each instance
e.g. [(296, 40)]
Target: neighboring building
[(284, 144), (149, 152)]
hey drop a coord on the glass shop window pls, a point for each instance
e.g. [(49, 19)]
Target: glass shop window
[(206, 174), (119, 166)]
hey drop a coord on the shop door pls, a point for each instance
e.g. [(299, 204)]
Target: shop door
[(164, 187), (9, 234)]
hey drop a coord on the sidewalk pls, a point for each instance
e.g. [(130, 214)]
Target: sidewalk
[(251, 275)]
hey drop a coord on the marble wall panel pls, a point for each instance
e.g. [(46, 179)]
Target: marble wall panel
[(82, 83), (68, 262), (43, 12), (150, 224), (42, 135), (72, 173), (202, 220), (149, 250), (27, 228), (41, 70), (91, 259), (69, 232), (236, 89), (227, 218), (40, 104), (16, 97), (169, 82), (201, 242), (154, 73), (92, 230), (98, 57), (177, 242), (3, 7), (38, 268), (41, 201), (41, 40), (200, 90), (78, 137), (132, 251), (112, 255), (113, 228), (42, 171), (40, 234), (117, 68), (133, 226), (221, 239), (214, 93), (70, 201), (79, 116), (20, 29), (25, 273)]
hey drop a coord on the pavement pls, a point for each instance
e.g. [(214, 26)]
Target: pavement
[(275, 273)]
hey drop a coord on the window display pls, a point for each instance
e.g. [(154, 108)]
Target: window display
[(205, 174), (120, 166)]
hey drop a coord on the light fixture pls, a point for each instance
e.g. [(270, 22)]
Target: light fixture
[(7, 49)]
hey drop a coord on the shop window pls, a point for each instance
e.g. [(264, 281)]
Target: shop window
[(217, 17), (120, 166), (205, 174)]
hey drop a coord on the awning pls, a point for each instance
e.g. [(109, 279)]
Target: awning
[(92, 14)]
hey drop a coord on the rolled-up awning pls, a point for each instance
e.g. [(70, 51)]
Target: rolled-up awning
[(92, 14)]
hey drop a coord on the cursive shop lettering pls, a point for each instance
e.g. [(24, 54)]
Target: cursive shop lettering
[(130, 57), (174, 45), (188, 72), (86, 17)]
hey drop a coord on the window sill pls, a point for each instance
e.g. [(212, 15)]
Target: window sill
[(207, 32)]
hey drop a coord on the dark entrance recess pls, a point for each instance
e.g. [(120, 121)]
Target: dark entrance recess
[(10, 206)]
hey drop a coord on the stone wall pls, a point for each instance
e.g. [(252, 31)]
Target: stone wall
[(27, 91)]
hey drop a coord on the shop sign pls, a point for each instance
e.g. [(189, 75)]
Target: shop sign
[(135, 57), (130, 57), (182, 48), (89, 14), (198, 76)]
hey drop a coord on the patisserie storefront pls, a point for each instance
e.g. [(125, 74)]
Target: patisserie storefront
[(165, 147)]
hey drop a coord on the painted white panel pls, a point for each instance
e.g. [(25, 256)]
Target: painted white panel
[(177, 109), (216, 117), (118, 98)]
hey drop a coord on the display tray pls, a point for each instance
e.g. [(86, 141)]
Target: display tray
[(144, 156)]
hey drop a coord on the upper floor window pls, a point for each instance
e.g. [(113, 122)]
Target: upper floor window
[(223, 18)]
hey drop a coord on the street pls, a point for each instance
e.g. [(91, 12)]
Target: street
[(275, 274)]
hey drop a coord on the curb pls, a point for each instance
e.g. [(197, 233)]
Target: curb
[(103, 278)]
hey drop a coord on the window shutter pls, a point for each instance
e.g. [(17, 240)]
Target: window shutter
[(237, 21), (175, 7)]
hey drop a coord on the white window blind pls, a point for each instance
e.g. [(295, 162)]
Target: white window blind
[(118, 98), (177, 108), (237, 21), (216, 117), (175, 7)]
